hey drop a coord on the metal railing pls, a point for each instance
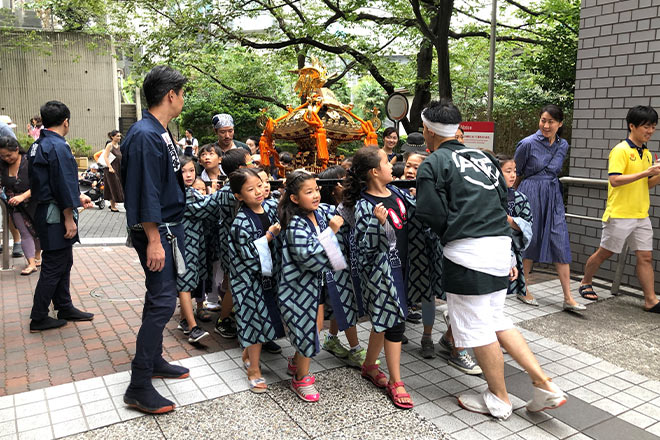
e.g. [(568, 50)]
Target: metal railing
[(5, 236), (621, 261)]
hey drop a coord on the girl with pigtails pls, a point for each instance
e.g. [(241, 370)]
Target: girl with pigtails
[(385, 235)]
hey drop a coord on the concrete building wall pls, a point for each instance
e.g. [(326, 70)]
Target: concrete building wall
[(618, 67), (78, 71)]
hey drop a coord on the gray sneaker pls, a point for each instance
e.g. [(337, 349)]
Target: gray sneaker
[(196, 334), (428, 348), (464, 363)]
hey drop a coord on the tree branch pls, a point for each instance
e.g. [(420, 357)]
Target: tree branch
[(458, 36), (236, 92), (335, 79), (540, 13), (421, 23)]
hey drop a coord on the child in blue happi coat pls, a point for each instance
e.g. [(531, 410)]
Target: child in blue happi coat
[(254, 248), (355, 354), (519, 216), (312, 273), (198, 209), (391, 265)]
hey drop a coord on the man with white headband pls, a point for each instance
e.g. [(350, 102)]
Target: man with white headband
[(223, 125), (462, 196)]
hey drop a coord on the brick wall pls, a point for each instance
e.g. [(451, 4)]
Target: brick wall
[(618, 66)]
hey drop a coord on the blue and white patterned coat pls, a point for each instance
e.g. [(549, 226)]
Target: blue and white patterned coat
[(306, 258), (253, 278), (199, 210), (382, 301)]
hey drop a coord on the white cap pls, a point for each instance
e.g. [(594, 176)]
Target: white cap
[(7, 120)]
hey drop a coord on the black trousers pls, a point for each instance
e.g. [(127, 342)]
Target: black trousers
[(53, 284), (159, 305)]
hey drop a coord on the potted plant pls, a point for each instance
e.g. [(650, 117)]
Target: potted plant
[(81, 151)]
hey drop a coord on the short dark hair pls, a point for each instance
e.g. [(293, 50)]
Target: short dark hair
[(443, 111), (54, 113), (640, 115), (554, 111), (256, 139), (398, 169), (208, 148), (389, 130), (407, 155), (159, 81), (233, 160), (189, 130), (503, 158)]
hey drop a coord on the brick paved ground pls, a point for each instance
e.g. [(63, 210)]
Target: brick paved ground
[(82, 350)]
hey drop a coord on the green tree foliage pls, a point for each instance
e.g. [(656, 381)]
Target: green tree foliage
[(444, 45)]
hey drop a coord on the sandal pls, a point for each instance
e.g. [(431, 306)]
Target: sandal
[(654, 309), (258, 385), (397, 398), (586, 291), (37, 262), (203, 315), (380, 380), (28, 271)]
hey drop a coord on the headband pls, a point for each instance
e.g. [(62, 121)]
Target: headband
[(222, 120), (443, 130)]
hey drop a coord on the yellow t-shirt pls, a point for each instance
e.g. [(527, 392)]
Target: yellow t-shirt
[(630, 200)]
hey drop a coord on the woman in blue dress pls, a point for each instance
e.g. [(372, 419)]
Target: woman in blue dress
[(539, 160)]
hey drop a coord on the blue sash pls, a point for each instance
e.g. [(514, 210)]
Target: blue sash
[(268, 284), (351, 247), (333, 293), (395, 262)]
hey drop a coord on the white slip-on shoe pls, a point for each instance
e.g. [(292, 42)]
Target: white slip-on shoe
[(543, 399), (486, 403)]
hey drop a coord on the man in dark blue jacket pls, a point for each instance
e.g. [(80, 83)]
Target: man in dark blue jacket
[(155, 203), (54, 184)]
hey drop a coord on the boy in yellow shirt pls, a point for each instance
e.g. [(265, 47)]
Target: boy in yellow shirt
[(631, 175)]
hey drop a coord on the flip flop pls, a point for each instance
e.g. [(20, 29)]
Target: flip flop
[(28, 271), (586, 291), (258, 385), (654, 309)]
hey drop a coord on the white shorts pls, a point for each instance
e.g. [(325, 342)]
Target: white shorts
[(476, 318), (636, 231)]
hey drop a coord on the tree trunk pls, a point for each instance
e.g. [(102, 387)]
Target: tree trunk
[(441, 44), (422, 86)]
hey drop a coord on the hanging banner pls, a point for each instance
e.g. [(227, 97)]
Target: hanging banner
[(479, 134)]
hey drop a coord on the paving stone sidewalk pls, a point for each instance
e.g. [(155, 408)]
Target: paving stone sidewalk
[(605, 401)]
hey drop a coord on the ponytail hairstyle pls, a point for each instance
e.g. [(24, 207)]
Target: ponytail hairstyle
[(336, 172), (365, 160), (286, 208), (112, 134), (238, 178)]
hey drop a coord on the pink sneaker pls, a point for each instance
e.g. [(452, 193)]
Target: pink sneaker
[(291, 368), (305, 388)]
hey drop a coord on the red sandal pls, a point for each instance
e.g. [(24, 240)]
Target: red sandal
[(397, 397), (380, 380)]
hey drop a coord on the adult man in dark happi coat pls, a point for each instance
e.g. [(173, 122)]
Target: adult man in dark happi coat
[(54, 183), (155, 204)]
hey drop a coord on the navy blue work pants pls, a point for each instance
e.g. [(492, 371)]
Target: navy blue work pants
[(53, 284), (159, 305)]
